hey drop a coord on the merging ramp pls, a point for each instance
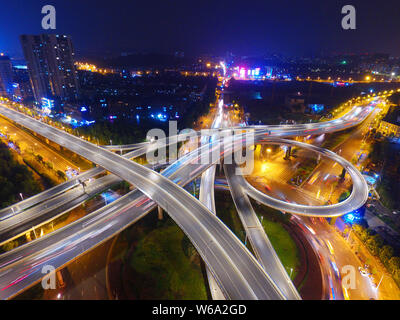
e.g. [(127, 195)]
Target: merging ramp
[(236, 271)]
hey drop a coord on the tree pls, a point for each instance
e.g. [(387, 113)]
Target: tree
[(373, 243), (14, 178), (396, 276), (394, 264), (357, 228), (376, 153), (361, 232), (10, 245), (344, 196), (386, 253), (61, 174), (39, 158)]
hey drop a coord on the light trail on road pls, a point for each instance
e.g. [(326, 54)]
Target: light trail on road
[(237, 273)]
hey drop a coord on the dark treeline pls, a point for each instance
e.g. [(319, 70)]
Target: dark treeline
[(15, 178)]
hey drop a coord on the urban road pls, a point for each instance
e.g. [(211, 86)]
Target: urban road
[(237, 273)]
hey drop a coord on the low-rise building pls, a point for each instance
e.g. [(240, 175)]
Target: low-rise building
[(390, 124)]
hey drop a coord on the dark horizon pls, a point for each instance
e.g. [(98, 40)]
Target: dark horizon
[(251, 28)]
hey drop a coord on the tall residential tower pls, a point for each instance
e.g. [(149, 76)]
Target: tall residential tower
[(6, 76), (52, 72)]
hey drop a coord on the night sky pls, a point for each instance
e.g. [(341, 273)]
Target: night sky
[(247, 27)]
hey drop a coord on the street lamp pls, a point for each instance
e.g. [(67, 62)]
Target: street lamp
[(379, 282), (268, 152)]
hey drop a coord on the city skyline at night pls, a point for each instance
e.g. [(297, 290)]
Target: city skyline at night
[(255, 28)]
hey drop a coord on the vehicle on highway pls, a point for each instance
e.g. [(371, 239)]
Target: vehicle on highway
[(363, 272)]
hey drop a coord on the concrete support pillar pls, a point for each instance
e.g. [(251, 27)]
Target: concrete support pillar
[(160, 213), (343, 175)]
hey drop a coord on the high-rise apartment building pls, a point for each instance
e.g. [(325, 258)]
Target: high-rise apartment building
[(50, 60), (6, 76)]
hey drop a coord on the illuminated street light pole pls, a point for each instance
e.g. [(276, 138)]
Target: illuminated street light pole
[(380, 282), (34, 232)]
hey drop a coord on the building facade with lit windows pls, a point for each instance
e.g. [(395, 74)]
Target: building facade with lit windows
[(6, 76), (390, 125), (51, 67)]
